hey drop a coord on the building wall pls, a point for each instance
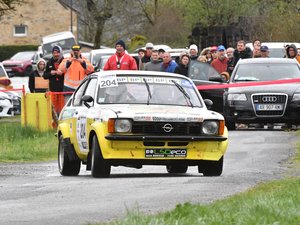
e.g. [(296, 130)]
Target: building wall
[(41, 18)]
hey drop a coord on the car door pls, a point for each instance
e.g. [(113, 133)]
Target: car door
[(204, 74), (88, 87)]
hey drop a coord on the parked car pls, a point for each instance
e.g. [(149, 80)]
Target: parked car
[(276, 103), (6, 105), (136, 118), (5, 82), (19, 64), (95, 55)]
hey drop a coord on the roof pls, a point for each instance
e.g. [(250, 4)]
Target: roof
[(266, 60)]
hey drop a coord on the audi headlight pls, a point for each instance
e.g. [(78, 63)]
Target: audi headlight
[(212, 127), (119, 125), (237, 97), (296, 97)]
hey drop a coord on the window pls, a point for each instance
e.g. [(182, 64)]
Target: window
[(20, 30)]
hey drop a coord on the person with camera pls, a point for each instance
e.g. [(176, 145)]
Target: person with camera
[(120, 60), (75, 68)]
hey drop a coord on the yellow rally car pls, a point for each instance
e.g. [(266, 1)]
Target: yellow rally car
[(136, 118)]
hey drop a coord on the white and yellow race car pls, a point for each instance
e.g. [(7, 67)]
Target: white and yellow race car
[(136, 118)]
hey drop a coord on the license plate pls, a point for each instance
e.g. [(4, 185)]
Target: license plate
[(165, 153), (272, 107)]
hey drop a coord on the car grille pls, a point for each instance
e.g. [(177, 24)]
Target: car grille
[(272, 101), (166, 128), (11, 65)]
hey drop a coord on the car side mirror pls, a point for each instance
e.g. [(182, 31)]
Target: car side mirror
[(208, 103), (87, 99)]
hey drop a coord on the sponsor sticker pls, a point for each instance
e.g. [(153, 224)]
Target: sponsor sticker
[(165, 153)]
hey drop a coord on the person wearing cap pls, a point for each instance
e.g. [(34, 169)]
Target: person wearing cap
[(264, 51), (120, 60), (193, 52), (147, 57), (74, 68), (56, 80), (214, 52), (220, 63), (241, 51), (161, 52)]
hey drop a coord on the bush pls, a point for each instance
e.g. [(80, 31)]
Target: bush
[(7, 51)]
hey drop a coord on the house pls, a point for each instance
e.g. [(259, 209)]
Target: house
[(34, 19)]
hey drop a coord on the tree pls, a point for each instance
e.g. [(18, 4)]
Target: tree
[(7, 6)]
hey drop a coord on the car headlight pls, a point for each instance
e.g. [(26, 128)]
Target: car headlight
[(213, 127), (119, 125), (296, 97), (237, 97)]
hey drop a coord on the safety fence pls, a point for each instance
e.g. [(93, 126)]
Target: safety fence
[(40, 110)]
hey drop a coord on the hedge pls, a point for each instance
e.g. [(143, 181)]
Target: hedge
[(7, 51)]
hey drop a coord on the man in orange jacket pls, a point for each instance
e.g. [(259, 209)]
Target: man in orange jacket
[(75, 68)]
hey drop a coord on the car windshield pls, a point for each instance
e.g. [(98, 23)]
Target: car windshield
[(147, 90), (202, 71), (23, 56), (266, 72), (2, 72), (65, 44)]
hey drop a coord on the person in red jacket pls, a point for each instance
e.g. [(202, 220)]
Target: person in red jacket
[(220, 63), (120, 60)]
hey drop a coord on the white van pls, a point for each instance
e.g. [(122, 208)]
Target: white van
[(64, 39)]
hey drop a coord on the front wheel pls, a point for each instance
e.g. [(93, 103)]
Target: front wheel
[(99, 166), (177, 168), (211, 168), (66, 166)]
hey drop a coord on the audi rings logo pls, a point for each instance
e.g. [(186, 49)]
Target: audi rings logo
[(167, 128), (269, 99)]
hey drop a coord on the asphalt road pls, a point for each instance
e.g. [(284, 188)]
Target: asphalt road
[(37, 194)]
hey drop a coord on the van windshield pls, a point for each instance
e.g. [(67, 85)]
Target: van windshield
[(65, 44)]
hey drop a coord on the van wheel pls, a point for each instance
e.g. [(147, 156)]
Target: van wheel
[(99, 166)]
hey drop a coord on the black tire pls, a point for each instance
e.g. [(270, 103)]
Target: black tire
[(211, 168), (230, 124), (100, 167), (66, 166), (177, 168)]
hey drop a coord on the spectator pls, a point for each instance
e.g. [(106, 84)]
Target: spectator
[(155, 63), (264, 51), (213, 51), (241, 52), (37, 83), (220, 63), (230, 65), (74, 68), (291, 52), (183, 66), (168, 64), (161, 52), (256, 48), (56, 81), (141, 54), (120, 60), (147, 57), (202, 58), (193, 51)]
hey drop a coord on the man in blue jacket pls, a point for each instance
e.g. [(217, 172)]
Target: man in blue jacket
[(168, 64)]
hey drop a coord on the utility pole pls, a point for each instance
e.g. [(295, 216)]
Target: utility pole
[(71, 7)]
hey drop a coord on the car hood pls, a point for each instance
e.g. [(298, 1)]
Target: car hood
[(159, 113), (289, 89), (7, 62)]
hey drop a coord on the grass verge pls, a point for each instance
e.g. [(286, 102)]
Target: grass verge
[(21, 144)]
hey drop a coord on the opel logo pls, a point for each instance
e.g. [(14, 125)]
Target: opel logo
[(269, 99), (167, 127)]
